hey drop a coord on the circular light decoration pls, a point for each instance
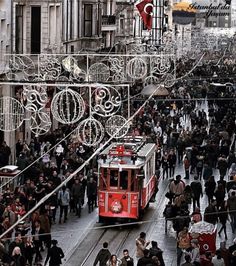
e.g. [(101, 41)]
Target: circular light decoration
[(90, 132), (67, 106), (11, 114), (115, 125), (136, 68), (151, 80), (99, 72), (107, 101), (40, 123), (169, 80)]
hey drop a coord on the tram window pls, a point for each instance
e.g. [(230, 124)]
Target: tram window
[(114, 178), (124, 179), (133, 176), (103, 178)]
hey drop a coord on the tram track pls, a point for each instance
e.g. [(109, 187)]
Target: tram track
[(119, 237)]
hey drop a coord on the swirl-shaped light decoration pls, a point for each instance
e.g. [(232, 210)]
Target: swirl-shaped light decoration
[(90, 132), (67, 106), (115, 125), (36, 97), (107, 101), (160, 65), (117, 67), (99, 72), (49, 67), (11, 114), (40, 123), (136, 68)]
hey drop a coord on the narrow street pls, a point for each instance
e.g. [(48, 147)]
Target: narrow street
[(81, 239)]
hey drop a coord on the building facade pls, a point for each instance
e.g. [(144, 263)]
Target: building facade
[(5, 33)]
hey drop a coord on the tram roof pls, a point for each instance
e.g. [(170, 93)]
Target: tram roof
[(140, 149)]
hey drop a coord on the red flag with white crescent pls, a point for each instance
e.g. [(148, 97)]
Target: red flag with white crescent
[(145, 9)]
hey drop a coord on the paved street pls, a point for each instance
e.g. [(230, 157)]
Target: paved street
[(78, 236)]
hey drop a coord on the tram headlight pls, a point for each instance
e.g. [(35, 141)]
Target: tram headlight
[(116, 206)]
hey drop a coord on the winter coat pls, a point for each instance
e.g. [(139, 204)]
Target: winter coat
[(64, 198), (102, 257), (158, 253), (196, 187), (125, 262), (145, 262), (55, 254), (231, 203), (77, 191), (210, 214), (18, 260)]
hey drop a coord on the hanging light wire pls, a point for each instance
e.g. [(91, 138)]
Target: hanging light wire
[(76, 171)]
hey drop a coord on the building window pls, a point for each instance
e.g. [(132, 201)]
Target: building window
[(88, 13), (19, 30), (35, 29)]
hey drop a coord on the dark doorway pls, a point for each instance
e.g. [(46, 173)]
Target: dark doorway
[(35, 29)]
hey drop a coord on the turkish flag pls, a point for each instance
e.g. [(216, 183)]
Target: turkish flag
[(145, 9)]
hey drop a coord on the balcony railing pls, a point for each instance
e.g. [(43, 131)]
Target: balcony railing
[(108, 20)]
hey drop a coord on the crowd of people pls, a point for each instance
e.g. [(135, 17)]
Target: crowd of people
[(146, 256), (199, 139)]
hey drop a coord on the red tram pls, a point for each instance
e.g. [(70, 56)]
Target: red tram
[(127, 181)]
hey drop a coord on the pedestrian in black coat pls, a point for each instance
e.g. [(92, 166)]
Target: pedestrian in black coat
[(91, 194), (146, 260), (29, 251), (210, 186), (210, 214), (103, 256), (157, 252), (55, 254), (223, 217), (196, 187), (220, 195)]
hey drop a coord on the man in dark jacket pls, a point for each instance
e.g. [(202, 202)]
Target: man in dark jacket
[(146, 260), (196, 187), (127, 260), (231, 206), (103, 256), (55, 254), (91, 194), (156, 251), (77, 195), (210, 214)]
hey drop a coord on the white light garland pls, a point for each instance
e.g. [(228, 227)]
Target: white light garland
[(67, 106), (11, 114), (40, 123), (106, 101), (90, 132), (99, 72), (137, 68), (116, 125)]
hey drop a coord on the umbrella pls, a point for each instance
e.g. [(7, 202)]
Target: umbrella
[(159, 90)]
